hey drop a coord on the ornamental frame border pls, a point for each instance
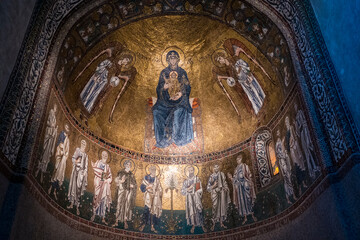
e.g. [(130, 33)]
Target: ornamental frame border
[(335, 128)]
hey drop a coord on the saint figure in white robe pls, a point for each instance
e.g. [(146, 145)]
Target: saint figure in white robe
[(126, 195), (61, 156), (243, 190), (49, 143), (220, 196), (285, 168), (102, 184), (151, 187), (303, 133), (292, 147), (193, 191), (78, 179)]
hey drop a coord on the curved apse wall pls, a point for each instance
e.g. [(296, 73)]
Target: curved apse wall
[(245, 100)]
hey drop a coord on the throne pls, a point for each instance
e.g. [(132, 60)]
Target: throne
[(194, 147)]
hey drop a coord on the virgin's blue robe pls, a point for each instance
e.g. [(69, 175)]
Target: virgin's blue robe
[(173, 119)]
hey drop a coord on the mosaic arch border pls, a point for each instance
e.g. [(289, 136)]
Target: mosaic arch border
[(330, 115)]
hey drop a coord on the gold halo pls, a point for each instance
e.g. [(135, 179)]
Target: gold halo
[(173, 48), (211, 166), (196, 170), (215, 54), (128, 52), (132, 163), (157, 169), (80, 137), (100, 152)]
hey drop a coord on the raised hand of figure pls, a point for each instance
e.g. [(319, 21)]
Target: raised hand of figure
[(149, 187), (190, 188), (237, 50), (93, 164), (132, 186), (126, 78)]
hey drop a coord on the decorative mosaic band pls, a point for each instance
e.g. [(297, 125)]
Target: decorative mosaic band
[(15, 135), (289, 12)]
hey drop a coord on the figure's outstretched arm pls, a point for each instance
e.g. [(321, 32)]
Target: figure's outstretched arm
[(126, 78), (108, 51)]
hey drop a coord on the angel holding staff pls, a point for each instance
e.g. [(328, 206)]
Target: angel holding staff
[(238, 74), (117, 66)]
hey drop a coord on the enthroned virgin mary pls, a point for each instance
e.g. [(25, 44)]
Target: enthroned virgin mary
[(172, 112)]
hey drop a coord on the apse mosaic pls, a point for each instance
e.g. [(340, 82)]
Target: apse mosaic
[(94, 182), (175, 125)]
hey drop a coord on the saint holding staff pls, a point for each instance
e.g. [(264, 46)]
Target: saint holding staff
[(102, 184)]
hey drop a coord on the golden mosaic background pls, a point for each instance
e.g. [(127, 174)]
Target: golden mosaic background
[(198, 37)]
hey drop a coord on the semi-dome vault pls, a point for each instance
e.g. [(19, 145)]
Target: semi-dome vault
[(151, 119)]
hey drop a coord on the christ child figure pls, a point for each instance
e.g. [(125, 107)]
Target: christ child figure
[(173, 83)]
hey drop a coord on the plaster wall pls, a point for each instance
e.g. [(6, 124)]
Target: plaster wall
[(14, 19), (339, 23)]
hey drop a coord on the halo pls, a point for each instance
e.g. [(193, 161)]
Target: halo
[(217, 53), (196, 170), (80, 138), (211, 166), (158, 171), (109, 154), (132, 164), (128, 52), (172, 48)]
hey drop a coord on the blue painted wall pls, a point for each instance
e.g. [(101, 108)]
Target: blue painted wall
[(340, 25)]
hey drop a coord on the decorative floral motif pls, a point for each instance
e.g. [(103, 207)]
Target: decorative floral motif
[(317, 84)]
